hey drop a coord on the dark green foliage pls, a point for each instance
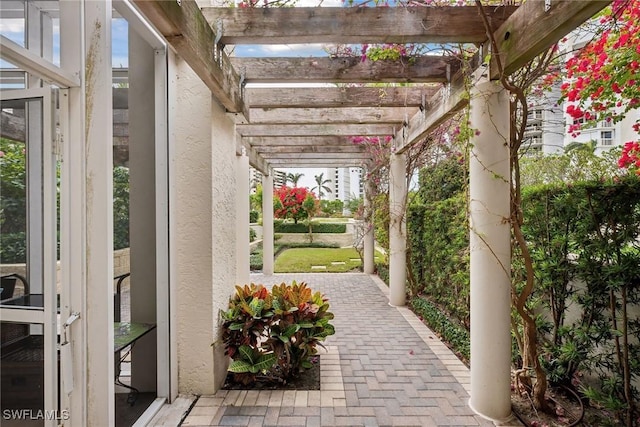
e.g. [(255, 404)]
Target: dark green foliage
[(272, 335), (381, 218), (253, 216), (584, 243), (317, 227), (382, 270), (120, 207), (608, 262), (438, 238), (13, 248), (252, 235), (13, 202), (445, 180), (455, 335), (13, 187)]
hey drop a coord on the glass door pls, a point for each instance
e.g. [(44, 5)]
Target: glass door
[(28, 261)]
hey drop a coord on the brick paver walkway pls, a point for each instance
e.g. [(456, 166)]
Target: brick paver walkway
[(383, 368)]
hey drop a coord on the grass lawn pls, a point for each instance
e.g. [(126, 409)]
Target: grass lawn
[(334, 260)]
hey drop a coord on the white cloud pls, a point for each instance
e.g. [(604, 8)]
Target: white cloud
[(13, 29), (292, 48)]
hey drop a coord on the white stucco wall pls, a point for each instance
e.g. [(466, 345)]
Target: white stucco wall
[(203, 209)]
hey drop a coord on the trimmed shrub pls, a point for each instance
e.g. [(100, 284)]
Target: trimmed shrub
[(316, 227), (254, 216)]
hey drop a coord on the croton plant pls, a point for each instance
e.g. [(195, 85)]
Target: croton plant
[(272, 335)]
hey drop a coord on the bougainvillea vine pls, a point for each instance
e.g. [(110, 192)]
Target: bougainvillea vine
[(604, 77)]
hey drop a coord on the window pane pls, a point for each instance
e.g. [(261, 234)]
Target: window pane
[(21, 196), (13, 200)]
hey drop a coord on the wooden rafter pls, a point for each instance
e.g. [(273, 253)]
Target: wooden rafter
[(391, 115), (325, 97), (311, 156), (297, 141), (446, 102), (317, 163), (353, 25), (286, 130), (309, 149), (184, 27), (422, 69)]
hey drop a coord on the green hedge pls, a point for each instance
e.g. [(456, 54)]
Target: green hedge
[(253, 216), (438, 239), (382, 270), (316, 227)]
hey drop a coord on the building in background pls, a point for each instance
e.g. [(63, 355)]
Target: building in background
[(546, 127), (340, 184), (279, 179)]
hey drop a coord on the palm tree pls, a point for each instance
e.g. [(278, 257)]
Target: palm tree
[(294, 178), (321, 185), (584, 147)]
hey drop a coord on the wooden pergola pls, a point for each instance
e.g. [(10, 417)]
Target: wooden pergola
[(310, 127)]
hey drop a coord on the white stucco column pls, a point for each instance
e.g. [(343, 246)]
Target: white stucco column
[(242, 218), (191, 209), (267, 224), (397, 230), (490, 245), (368, 238), (223, 240)]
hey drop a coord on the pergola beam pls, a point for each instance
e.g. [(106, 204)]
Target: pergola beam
[(420, 69), (311, 156), (446, 102), (330, 115), (267, 150), (185, 28), (532, 29), (325, 97), (298, 141), (354, 24), (255, 159), (289, 130), (316, 163)]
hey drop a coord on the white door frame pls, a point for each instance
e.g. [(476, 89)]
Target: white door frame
[(41, 265)]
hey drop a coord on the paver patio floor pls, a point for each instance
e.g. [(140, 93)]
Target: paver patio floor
[(383, 368)]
